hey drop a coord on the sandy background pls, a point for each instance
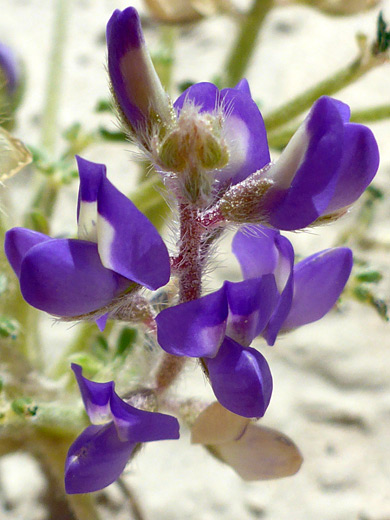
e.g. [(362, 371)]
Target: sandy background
[(332, 378)]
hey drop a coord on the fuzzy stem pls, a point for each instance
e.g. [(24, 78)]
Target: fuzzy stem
[(190, 285), (342, 78), (245, 43)]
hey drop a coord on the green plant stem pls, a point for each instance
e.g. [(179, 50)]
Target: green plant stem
[(245, 43), (342, 78), (370, 115), (164, 60), (55, 76)]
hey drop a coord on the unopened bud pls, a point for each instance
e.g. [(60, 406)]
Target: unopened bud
[(141, 100), (245, 203), (193, 149)]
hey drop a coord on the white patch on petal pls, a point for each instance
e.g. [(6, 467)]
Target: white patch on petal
[(282, 272), (142, 83), (99, 414), (87, 222), (237, 136), (213, 336), (105, 239), (283, 171)]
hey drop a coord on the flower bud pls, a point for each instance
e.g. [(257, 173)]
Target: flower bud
[(141, 101), (193, 148)]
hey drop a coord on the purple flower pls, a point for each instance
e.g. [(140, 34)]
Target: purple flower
[(326, 166), (276, 296), (117, 246), (307, 290), (218, 328), (99, 455), (10, 73), (324, 169), (137, 89)]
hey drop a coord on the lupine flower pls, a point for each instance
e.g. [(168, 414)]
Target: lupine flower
[(117, 248), (100, 453), (276, 296), (308, 290), (323, 170)]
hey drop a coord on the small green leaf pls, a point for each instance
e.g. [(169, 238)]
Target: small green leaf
[(126, 340)]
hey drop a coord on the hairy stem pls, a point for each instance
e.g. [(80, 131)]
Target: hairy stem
[(190, 285)]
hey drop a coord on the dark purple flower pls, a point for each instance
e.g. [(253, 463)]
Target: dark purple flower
[(324, 169), (326, 166), (136, 87), (100, 453), (218, 328), (117, 246)]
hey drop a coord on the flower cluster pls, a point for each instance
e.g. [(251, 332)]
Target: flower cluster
[(210, 147)]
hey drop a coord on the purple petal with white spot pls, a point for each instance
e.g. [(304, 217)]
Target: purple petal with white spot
[(241, 379), (18, 241), (306, 173), (244, 128), (140, 426), (251, 304), (194, 328), (358, 167), (96, 396), (318, 283), (96, 459), (66, 278), (128, 242)]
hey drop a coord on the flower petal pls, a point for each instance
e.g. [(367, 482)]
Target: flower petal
[(318, 282), (251, 304), (216, 424), (241, 379), (128, 242), (96, 459), (96, 396), (66, 278), (18, 241), (243, 127), (284, 276), (358, 167), (306, 173), (194, 328), (140, 426), (256, 251), (136, 85), (261, 454), (91, 176)]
